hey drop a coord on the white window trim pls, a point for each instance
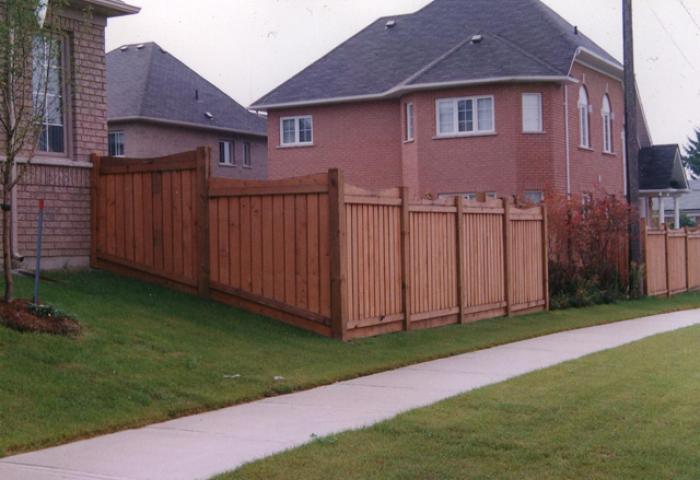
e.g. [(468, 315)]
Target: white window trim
[(249, 147), (540, 128), (455, 117), (119, 133), (232, 153), (297, 120), (584, 120), (410, 122), (607, 126)]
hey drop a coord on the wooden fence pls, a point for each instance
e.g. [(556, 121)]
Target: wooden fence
[(315, 252), (672, 261)]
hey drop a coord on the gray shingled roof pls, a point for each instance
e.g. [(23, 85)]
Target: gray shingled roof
[(659, 168), (149, 83), (522, 38)]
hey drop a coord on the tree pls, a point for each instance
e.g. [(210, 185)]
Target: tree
[(691, 160), (29, 56)]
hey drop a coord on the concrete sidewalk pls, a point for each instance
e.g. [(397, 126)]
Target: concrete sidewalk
[(201, 446)]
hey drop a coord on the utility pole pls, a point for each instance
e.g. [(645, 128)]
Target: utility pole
[(632, 143)]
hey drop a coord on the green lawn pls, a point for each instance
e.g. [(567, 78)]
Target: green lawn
[(149, 354), (629, 413)]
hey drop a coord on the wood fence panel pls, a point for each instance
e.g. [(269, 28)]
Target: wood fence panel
[(483, 254), (145, 219), (433, 263), (656, 263), (373, 252), (694, 260), (677, 262), (527, 271)]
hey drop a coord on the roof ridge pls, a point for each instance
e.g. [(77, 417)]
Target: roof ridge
[(526, 53), (432, 63)]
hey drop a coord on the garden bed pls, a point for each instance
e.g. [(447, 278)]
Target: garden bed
[(24, 316)]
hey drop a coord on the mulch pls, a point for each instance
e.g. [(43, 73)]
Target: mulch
[(18, 316)]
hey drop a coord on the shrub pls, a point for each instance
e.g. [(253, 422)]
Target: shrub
[(588, 245)]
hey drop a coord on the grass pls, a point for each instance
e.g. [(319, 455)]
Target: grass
[(148, 354), (627, 413)]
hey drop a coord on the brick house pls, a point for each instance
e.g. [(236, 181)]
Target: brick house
[(463, 96), (158, 106), (60, 170)]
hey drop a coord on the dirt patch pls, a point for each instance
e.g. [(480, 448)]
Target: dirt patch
[(22, 316)]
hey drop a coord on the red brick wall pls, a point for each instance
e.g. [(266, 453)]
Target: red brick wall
[(366, 140), (592, 170), (146, 140)]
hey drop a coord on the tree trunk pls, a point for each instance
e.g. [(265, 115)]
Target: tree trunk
[(6, 244)]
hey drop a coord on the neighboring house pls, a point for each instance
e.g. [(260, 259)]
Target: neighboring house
[(662, 177), (158, 106), (690, 202), (464, 96), (60, 170)]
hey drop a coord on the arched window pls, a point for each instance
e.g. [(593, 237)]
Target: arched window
[(607, 125), (584, 120)]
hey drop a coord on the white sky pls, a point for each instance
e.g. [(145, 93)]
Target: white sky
[(247, 47)]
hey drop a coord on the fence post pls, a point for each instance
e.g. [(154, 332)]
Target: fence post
[(406, 257), (668, 261), (202, 219), (338, 254), (94, 205), (459, 203), (545, 255), (507, 255)]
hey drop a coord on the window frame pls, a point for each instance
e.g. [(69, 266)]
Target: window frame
[(540, 127), (297, 131), (120, 133), (474, 116), (67, 107), (247, 155), (607, 115), (410, 122), (232, 151), (532, 193), (584, 119)]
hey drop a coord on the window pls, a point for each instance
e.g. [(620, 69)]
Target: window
[(584, 120), (534, 196), (116, 144), (409, 122), (296, 131), (227, 154), (465, 116), (607, 125), (48, 93), (247, 161), (532, 113)]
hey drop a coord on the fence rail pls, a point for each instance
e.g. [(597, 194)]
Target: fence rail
[(672, 261), (317, 253)]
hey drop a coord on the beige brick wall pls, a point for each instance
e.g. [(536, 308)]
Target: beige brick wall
[(66, 187)]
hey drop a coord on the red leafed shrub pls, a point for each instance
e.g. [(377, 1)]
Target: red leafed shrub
[(588, 249)]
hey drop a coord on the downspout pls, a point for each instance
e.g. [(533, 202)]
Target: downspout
[(568, 140)]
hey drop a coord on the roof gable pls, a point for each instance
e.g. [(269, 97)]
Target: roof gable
[(661, 168), (146, 82), (521, 38)]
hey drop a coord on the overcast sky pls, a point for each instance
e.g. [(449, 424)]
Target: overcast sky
[(248, 47)]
